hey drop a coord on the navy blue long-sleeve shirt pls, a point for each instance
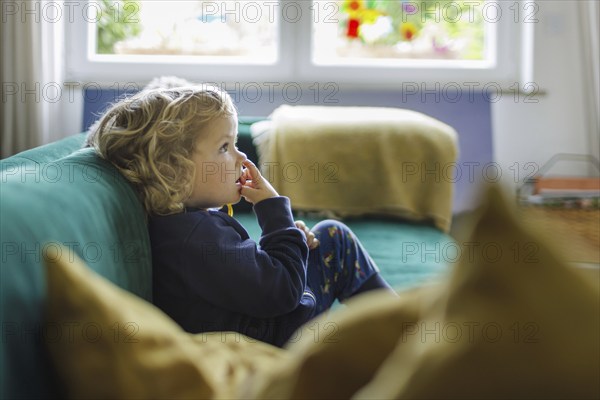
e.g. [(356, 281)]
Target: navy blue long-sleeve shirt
[(208, 275)]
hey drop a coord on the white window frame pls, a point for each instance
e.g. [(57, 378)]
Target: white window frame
[(295, 64)]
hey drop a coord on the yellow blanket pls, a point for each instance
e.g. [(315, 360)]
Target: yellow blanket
[(356, 161)]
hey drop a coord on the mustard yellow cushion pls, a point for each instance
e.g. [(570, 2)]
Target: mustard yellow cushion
[(337, 354), (513, 321), (107, 343)]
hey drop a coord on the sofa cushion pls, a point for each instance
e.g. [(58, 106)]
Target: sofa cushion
[(431, 342), (81, 202), (515, 322), (123, 347)]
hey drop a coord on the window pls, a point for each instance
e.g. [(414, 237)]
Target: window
[(376, 30), (244, 32), (376, 42)]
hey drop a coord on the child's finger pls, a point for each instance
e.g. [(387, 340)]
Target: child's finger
[(252, 170), (312, 242), (246, 174)]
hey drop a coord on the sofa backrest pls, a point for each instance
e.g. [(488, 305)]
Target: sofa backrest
[(44, 154), (81, 202)]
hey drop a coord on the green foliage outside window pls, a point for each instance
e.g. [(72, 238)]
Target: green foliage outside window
[(117, 20)]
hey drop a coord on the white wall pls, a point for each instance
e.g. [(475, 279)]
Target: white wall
[(72, 112), (525, 133)]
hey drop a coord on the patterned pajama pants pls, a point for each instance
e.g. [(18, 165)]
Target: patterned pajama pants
[(338, 266)]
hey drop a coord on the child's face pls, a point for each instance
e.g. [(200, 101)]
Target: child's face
[(218, 165)]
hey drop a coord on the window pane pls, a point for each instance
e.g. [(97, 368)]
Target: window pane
[(347, 30), (188, 28)]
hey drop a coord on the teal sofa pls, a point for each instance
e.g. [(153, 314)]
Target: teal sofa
[(61, 193), (50, 196)]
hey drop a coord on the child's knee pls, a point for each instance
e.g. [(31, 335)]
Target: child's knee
[(332, 233), (329, 228)]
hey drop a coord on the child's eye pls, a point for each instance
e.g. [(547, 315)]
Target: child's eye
[(224, 148)]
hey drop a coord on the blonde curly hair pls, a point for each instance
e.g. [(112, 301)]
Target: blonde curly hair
[(150, 138)]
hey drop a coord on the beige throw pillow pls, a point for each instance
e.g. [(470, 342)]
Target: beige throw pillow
[(513, 321), (107, 343)]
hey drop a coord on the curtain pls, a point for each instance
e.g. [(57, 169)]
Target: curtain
[(588, 13), (31, 66)]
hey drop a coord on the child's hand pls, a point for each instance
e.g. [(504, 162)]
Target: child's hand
[(254, 186), (311, 239)]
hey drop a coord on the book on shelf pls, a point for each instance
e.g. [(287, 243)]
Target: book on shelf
[(561, 191)]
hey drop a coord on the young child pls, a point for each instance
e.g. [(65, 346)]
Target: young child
[(177, 147)]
